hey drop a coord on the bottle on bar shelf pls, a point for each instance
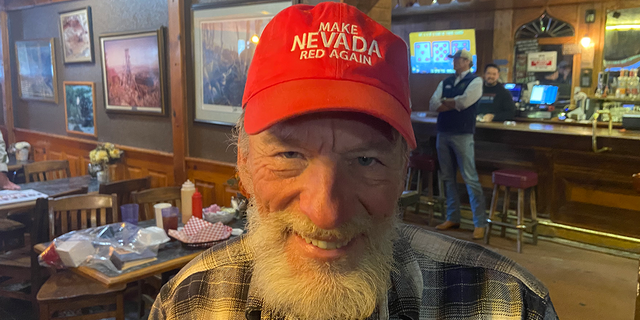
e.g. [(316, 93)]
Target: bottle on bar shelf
[(621, 91), (634, 81)]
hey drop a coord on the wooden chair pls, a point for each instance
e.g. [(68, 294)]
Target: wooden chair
[(47, 170), (147, 198), (150, 287), (22, 276), (65, 290), (124, 188)]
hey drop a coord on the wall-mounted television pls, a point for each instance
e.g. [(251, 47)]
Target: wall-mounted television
[(429, 49)]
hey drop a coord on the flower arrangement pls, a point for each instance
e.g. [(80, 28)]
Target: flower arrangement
[(105, 154)]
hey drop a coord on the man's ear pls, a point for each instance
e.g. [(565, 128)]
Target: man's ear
[(242, 174)]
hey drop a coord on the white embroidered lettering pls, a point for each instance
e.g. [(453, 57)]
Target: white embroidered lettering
[(345, 28), (325, 26), (342, 39), (303, 55), (311, 40), (301, 43), (354, 29), (334, 53), (326, 43), (335, 27), (374, 47), (355, 44)]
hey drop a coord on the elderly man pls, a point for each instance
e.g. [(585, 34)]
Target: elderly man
[(322, 151), (456, 99)]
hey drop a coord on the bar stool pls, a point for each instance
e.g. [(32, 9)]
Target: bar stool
[(419, 164), (523, 181)]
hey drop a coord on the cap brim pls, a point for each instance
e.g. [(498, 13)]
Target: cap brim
[(451, 56), (298, 97)]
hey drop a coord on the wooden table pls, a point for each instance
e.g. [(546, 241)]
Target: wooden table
[(171, 255), (51, 188)]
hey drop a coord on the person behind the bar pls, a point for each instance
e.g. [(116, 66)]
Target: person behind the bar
[(496, 103), (322, 151), (455, 100)]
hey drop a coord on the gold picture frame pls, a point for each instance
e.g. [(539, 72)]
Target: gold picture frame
[(37, 77), (133, 72), (80, 107)]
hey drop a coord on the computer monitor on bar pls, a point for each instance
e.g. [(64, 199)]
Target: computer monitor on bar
[(542, 94), (515, 89)]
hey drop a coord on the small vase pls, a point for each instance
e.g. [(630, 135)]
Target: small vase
[(103, 176)]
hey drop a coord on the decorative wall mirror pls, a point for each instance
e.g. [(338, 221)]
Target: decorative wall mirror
[(622, 40), (539, 55)]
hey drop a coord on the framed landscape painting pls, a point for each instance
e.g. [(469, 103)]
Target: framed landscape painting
[(76, 36), (225, 38), (37, 70), (80, 107), (133, 72)]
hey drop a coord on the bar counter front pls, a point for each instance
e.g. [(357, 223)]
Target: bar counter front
[(577, 186)]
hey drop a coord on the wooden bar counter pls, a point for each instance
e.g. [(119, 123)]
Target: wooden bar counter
[(577, 186)]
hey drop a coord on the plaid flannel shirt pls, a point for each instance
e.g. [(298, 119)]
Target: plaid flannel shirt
[(435, 277)]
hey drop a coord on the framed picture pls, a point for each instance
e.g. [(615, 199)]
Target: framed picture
[(37, 70), (224, 40), (133, 72), (76, 36), (80, 107)]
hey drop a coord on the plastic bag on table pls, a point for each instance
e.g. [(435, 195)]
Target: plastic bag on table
[(99, 245)]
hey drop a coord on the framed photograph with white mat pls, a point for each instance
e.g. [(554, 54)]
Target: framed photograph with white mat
[(224, 39)]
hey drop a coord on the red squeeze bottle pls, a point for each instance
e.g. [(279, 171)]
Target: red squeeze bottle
[(196, 204)]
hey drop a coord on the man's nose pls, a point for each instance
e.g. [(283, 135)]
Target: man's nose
[(323, 196)]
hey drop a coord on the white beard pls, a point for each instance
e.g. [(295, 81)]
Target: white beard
[(313, 290)]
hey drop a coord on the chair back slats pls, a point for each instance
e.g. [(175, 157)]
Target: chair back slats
[(147, 198), (81, 211), (124, 188), (47, 170)]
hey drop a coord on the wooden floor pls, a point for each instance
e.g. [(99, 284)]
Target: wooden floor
[(583, 284)]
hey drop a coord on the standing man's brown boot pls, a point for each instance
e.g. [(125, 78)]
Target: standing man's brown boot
[(478, 233), (448, 225)]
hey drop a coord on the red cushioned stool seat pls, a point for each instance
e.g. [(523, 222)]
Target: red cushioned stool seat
[(519, 179), (423, 162)]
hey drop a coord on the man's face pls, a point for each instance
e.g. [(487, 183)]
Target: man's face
[(324, 195), (461, 64), (491, 76)]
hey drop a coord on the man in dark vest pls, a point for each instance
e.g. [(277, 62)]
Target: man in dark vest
[(456, 101)]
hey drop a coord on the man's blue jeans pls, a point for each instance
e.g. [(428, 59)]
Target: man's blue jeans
[(456, 151)]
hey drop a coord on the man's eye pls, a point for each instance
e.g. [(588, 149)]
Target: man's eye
[(290, 155), (366, 161)]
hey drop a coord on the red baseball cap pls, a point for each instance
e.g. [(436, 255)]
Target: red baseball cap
[(328, 57)]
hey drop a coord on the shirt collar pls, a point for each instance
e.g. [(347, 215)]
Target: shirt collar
[(463, 74), (403, 297)]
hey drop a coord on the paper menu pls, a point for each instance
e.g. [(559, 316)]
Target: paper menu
[(17, 196)]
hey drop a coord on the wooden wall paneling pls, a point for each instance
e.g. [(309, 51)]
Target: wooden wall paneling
[(136, 163), (177, 32), (210, 178), (503, 38), (7, 92)]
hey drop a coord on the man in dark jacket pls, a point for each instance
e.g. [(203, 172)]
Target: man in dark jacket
[(456, 101), (496, 103)]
